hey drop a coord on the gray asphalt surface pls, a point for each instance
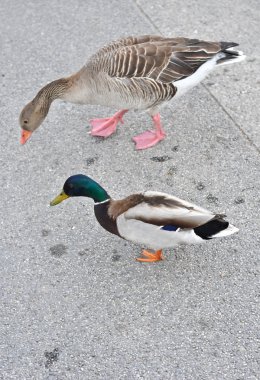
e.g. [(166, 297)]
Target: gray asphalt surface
[(74, 302)]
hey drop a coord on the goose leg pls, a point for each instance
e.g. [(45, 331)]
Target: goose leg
[(150, 138), (105, 127), (151, 257)]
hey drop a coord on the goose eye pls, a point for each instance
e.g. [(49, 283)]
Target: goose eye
[(25, 121)]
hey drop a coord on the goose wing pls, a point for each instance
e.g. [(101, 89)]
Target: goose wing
[(156, 57)]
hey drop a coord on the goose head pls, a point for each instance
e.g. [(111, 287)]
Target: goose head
[(31, 118)]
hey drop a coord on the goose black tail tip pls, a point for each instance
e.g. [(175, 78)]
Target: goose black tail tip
[(227, 45)]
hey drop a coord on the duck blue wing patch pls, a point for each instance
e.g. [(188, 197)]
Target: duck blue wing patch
[(169, 227)]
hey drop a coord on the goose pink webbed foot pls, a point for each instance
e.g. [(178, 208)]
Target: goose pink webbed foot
[(150, 138), (105, 127)]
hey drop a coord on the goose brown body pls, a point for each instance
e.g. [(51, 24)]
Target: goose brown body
[(132, 73)]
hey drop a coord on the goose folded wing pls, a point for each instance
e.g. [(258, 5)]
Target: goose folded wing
[(155, 57)]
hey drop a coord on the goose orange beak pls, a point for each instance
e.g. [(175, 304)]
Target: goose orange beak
[(25, 135)]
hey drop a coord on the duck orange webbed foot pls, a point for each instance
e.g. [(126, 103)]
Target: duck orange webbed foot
[(105, 127), (151, 257)]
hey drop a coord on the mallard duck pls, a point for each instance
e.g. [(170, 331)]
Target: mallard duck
[(140, 73), (156, 220)]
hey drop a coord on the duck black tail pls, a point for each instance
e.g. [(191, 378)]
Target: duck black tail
[(229, 55), (216, 227)]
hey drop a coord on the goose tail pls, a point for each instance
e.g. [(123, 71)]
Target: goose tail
[(229, 55)]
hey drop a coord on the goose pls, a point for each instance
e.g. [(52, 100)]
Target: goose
[(134, 73), (154, 219)]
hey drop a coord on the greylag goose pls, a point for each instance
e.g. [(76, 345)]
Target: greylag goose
[(141, 73), (154, 219)]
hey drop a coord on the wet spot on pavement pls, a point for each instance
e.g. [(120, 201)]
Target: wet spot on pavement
[(91, 160), (58, 250), (161, 158), (212, 199), (45, 233), (51, 356)]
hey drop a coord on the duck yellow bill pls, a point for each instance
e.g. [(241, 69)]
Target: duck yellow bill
[(60, 198), (25, 135)]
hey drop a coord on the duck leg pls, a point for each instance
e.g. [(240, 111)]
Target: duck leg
[(150, 138), (105, 127), (151, 257)]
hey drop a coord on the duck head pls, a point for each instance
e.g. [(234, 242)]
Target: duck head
[(80, 185)]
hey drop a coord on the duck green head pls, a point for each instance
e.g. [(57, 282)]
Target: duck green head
[(80, 185)]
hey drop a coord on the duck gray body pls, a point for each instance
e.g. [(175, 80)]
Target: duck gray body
[(157, 220)]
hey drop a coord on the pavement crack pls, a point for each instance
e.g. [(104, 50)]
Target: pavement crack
[(245, 135), (231, 118), (146, 16)]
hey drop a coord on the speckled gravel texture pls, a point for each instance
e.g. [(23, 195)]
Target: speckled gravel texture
[(74, 302)]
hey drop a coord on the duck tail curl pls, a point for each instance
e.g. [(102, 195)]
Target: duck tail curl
[(216, 227)]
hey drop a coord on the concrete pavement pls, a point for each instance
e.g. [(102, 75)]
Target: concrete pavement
[(75, 303)]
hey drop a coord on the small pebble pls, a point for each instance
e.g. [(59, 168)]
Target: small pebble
[(239, 200), (200, 186), (116, 257)]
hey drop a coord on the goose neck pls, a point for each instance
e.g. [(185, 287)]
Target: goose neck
[(53, 90)]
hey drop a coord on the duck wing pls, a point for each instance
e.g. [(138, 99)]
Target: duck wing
[(165, 210)]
